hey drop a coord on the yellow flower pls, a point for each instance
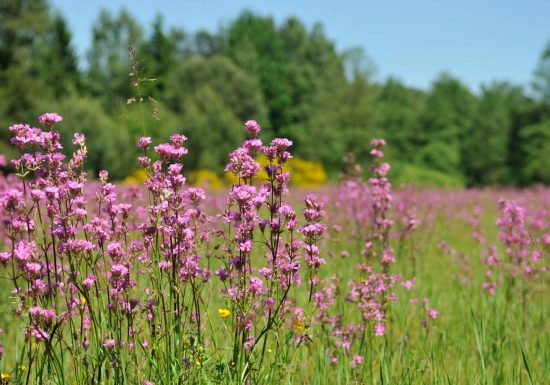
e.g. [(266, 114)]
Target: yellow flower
[(298, 325), (224, 313), (186, 340), (82, 300), (4, 376), (197, 362), (205, 178), (22, 367), (138, 177)]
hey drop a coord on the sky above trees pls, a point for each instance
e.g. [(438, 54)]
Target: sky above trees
[(477, 41)]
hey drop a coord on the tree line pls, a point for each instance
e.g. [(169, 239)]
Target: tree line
[(290, 78)]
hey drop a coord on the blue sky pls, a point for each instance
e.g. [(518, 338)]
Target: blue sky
[(413, 40)]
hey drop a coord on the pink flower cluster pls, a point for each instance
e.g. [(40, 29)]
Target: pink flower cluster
[(370, 206), (76, 251), (255, 207), (523, 252)]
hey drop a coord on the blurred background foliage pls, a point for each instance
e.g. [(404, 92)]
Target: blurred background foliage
[(290, 78)]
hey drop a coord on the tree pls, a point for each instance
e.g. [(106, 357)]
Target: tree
[(487, 146), (23, 27), (253, 43), (207, 44), (109, 64), (535, 147), (59, 68), (541, 83), (400, 108), (444, 124), (159, 58), (214, 98), (110, 145)]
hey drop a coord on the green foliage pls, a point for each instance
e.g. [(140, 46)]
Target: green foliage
[(445, 121), (400, 108), (210, 125), (287, 76), (254, 45), (542, 75), (109, 142), (410, 174), (238, 91), (109, 64), (441, 155), (535, 147), (61, 72), (24, 25), (159, 56), (486, 148), (213, 97)]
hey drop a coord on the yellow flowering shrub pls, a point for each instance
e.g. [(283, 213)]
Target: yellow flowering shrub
[(303, 173), (306, 173), (138, 177), (205, 178)]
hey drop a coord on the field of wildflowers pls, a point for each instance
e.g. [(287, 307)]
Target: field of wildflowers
[(265, 283)]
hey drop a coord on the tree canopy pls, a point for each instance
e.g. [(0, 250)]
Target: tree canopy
[(289, 77)]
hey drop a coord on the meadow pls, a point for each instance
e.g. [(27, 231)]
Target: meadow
[(261, 282)]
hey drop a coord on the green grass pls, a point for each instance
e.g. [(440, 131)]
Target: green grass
[(477, 339)]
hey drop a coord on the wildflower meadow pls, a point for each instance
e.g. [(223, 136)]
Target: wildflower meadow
[(260, 281)]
